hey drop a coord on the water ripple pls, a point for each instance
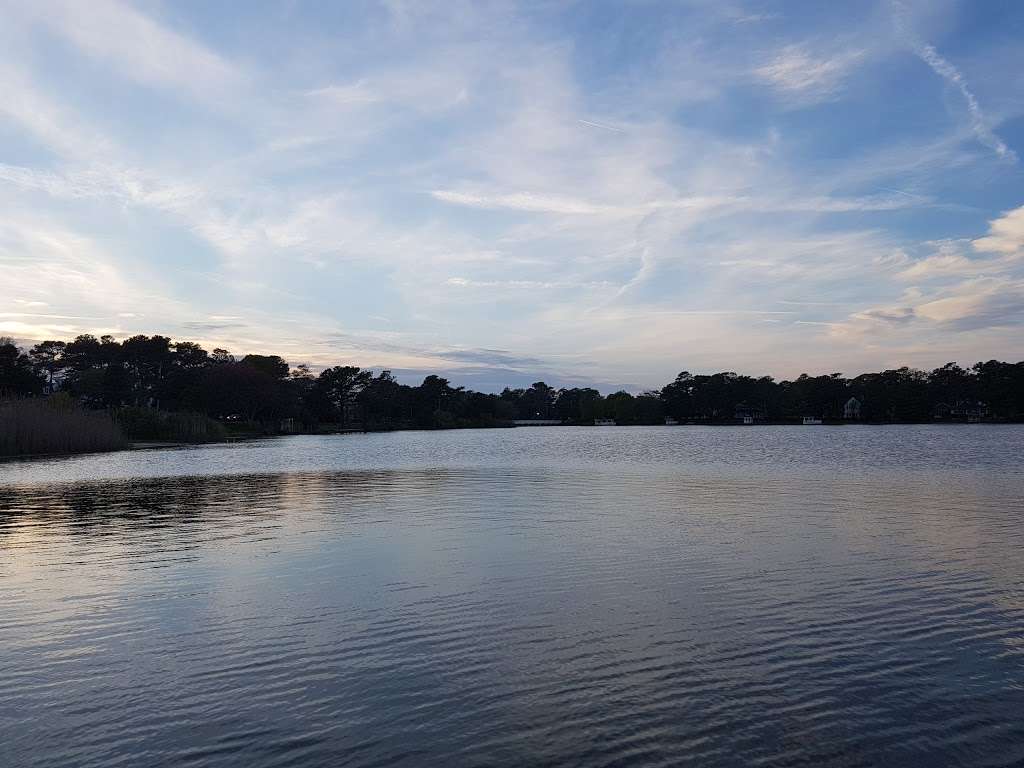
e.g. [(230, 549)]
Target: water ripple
[(437, 598)]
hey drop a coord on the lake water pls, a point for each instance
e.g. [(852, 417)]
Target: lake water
[(817, 596)]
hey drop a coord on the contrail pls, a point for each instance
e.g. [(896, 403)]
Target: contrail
[(951, 74), (611, 128), (901, 192), (944, 69)]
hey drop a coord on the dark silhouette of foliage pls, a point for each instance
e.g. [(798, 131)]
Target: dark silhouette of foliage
[(167, 426), (272, 365), (145, 376), (53, 426), (48, 359), (18, 375), (336, 390)]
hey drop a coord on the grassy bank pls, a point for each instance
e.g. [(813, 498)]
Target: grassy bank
[(53, 426)]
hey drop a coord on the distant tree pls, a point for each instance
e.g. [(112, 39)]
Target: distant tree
[(337, 388), (649, 408), (239, 390), (435, 402), (148, 359), (95, 372), (480, 408), (579, 404), (620, 406), (384, 401), (84, 352), (17, 376), (678, 396), (299, 388), (512, 398), (48, 360), (180, 385), (537, 402), (817, 396), (1001, 386), (188, 354), (155, 372), (302, 372), (272, 365)]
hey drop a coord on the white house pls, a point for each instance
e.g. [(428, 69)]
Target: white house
[(852, 409)]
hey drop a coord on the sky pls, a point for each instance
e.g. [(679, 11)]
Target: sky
[(589, 193)]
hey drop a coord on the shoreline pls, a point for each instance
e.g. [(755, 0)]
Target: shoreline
[(146, 445)]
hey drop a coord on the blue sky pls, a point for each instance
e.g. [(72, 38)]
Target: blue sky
[(586, 192)]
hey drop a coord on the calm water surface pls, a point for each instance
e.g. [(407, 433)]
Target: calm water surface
[(781, 596)]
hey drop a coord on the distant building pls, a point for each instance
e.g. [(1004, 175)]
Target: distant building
[(976, 412), (852, 409), (810, 420), (745, 413), (971, 411), (537, 422), (604, 422), (670, 422)]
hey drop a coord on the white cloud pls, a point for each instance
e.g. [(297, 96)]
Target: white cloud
[(959, 299), (1005, 234), (972, 305), (949, 261), (940, 265), (980, 303), (139, 48), (798, 71)]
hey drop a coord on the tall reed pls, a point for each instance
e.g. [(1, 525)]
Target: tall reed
[(55, 425)]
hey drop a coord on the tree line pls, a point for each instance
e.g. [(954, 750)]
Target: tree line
[(148, 374)]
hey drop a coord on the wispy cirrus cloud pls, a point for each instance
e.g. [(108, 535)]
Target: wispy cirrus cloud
[(798, 72), (139, 47), (540, 203)]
